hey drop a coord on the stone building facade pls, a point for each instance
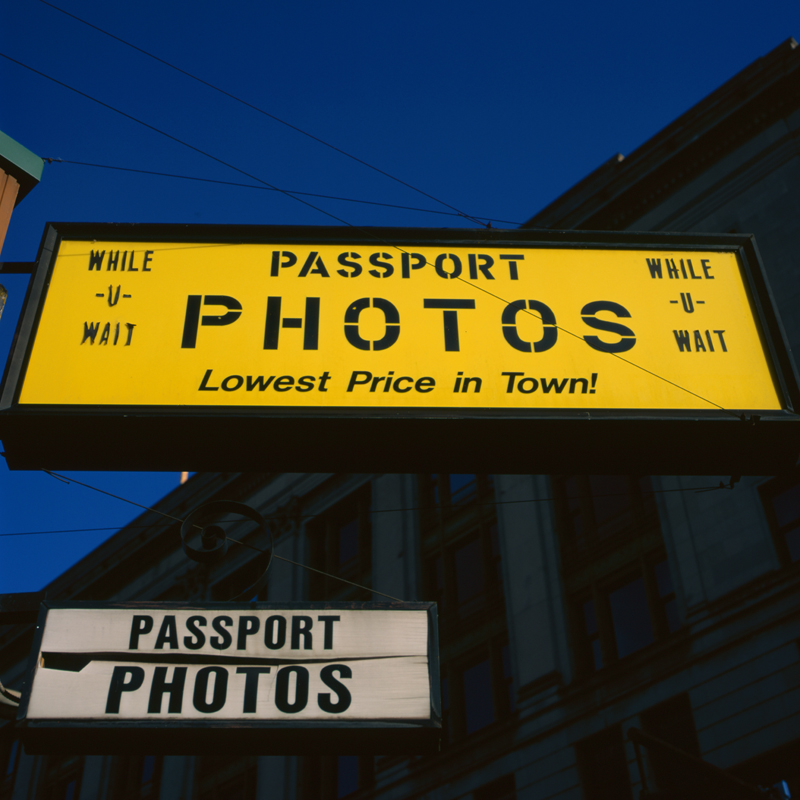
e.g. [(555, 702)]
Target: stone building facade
[(572, 608)]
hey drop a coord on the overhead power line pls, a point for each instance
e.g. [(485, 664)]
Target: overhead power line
[(271, 189), (340, 220), (64, 479), (176, 139), (457, 211)]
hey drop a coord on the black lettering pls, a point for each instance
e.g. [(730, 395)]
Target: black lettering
[(90, 331), (198, 638), (698, 342), (251, 686), (628, 339), (691, 271), (96, 260), (273, 323), (140, 625), (439, 265), (540, 311), (174, 689), (258, 382), (722, 341), (356, 380), (425, 385), (468, 381), (354, 265), (314, 260), (201, 689), (113, 260), (343, 694), (311, 332), (323, 381), (300, 692), (328, 621), (167, 634), (450, 314), (654, 265), (512, 376), (301, 626), (284, 383), (305, 383), (682, 339), (106, 333), (485, 265), (512, 265), (672, 270), (148, 257), (275, 632), (204, 387), (224, 640), (391, 316), (191, 321), (553, 383), (575, 381), (375, 260), (226, 302), (130, 326), (131, 268), (407, 266), (289, 260), (524, 383), (248, 626), (705, 264), (232, 383), (397, 388), (119, 685)]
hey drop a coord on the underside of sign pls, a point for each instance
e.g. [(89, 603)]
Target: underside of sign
[(273, 678), (333, 349)]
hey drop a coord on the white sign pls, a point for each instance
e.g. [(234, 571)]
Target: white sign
[(257, 664)]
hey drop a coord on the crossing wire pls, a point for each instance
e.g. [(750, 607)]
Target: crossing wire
[(51, 160), (344, 222), (265, 113), (303, 517)]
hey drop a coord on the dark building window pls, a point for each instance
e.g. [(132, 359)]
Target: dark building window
[(9, 757), (672, 722), (501, 789), (781, 499), (482, 685), (341, 544), (226, 777), (616, 575), (603, 766), (335, 777), (461, 566), (136, 777), (61, 778)]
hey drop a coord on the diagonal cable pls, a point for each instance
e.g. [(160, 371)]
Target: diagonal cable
[(265, 113), (269, 189), (175, 139), (333, 216)]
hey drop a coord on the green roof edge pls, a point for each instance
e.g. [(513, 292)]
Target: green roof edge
[(21, 163)]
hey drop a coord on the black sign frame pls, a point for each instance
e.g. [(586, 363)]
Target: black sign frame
[(220, 737), (735, 441)]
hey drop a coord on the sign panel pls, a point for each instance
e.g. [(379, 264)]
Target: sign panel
[(367, 674), (384, 325)]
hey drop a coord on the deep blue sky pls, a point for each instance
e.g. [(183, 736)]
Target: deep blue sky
[(495, 109)]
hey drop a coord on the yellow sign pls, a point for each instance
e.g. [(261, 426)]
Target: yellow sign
[(381, 326)]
